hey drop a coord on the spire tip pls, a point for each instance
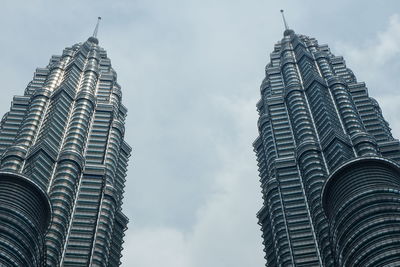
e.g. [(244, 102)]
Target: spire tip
[(284, 20), (97, 27)]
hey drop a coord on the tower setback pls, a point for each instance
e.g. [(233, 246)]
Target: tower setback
[(328, 163), (63, 140)]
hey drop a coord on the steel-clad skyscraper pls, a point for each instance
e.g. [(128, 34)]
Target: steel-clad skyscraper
[(327, 161), (64, 138)]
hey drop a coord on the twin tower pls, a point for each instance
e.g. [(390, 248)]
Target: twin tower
[(328, 164), (63, 165)]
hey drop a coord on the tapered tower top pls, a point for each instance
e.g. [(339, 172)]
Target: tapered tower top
[(287, 31)]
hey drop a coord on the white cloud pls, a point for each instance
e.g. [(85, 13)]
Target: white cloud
[(225, 232), (226, 225), (376, 61), (155, 247), (377, 51)]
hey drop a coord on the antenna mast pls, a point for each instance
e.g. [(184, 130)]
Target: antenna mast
[(284, 20), (97, 27)]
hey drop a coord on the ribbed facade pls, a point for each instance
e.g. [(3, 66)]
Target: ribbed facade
[(362, 203), (25, 214), (66, 135), (323, 144)]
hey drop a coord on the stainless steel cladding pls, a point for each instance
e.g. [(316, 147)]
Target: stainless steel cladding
[(314, 119), (66, 135)]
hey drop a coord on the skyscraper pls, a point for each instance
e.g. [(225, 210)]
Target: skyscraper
[(328, 163), (63, 142)]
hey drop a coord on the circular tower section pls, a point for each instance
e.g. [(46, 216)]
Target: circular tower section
[(361, 200), (25, 214)]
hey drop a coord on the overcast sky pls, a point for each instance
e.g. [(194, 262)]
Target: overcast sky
[(190, 72)]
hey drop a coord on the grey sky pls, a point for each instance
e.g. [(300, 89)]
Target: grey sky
[(190, 73)]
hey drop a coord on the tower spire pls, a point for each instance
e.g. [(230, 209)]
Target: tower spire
[(97, 27), (284, 20)]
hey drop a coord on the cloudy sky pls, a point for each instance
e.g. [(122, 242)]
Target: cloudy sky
[(190, 71)]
